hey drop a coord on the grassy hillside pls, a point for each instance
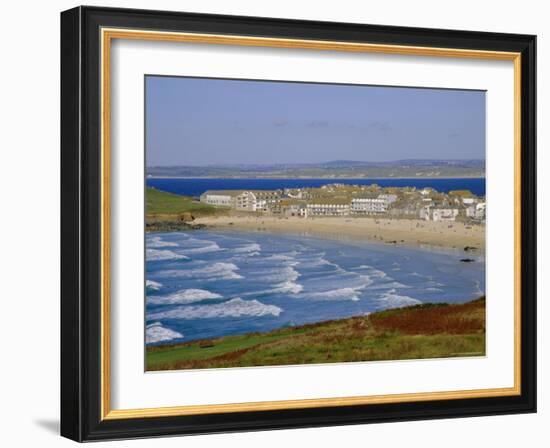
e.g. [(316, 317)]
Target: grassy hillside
[(422, 331), (162, 203), (167, 212)]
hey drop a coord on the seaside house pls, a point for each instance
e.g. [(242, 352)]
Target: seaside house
[(424, 213), (470, 211), (257, 200), (480, 211), (444, 214), (225, 198), (293, 207), (243, 200), (368, 205), (328, 207), (246, 202), (439, 213)]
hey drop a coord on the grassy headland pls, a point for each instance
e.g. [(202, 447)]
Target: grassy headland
[(166, 211), (415, 332)]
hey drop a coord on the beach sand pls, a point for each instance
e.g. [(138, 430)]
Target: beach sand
[(393, 231)]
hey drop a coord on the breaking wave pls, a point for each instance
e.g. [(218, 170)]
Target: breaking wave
[(210, 247), (372, 272), (348, 293), (151, 284), (231, 279), (249, 248), (289, 256), (182, 297), (236, 307), (277, 275), (316, 261), (156, 332), (288, 287), (215, 271), (157, 241), (388, 285), (391, 299), (160, 255)]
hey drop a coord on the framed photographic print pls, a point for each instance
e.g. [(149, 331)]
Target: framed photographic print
[(273, 223)]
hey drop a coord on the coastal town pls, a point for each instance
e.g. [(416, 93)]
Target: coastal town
[(336, 200)]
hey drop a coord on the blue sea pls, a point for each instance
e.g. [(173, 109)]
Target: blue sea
[(205, 283), (195, 187)]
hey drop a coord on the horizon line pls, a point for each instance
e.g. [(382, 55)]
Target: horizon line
[(319, 163)]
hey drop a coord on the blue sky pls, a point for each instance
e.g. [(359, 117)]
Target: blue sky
[(197, 121)]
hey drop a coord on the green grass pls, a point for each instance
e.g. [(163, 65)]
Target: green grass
[(169, 205), (423, 331)]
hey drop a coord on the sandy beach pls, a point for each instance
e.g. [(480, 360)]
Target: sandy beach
[(392, 231)]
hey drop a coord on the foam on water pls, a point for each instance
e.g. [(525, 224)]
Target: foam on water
[(372, 272), (345, 278), (156, 332), (478, 288), (391, 299), (153, 285), (236, 307), (211, 246), (183, 296), (315, 260), (289, 287), (388, 284), (249, 248), (276, 275), (157, 241), (160, 255), (215, 271), (238, 282), (348, 293), (283, 257)]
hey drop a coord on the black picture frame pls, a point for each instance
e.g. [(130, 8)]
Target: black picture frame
[(81, 224)]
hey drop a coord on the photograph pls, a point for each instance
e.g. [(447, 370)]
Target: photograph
[(292, 223)]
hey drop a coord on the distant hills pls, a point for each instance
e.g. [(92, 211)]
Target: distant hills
[(409, 168)]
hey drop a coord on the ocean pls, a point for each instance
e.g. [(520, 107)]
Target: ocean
[(205, 283), (195, 187)]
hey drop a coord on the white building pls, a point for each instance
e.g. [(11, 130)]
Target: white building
[(480, 210), (475, 210), (444, 214), (220, 197), (424, 213), (429, 213), (368, 206), (471, 211), (328, 208), (293, 207), (246, 201), (242, 200)]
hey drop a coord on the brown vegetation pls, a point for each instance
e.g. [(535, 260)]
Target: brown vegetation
[(416, 332), (433, 319)]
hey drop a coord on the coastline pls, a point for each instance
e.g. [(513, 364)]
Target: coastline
[(412, 232), (331, 178), (415, 332)]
